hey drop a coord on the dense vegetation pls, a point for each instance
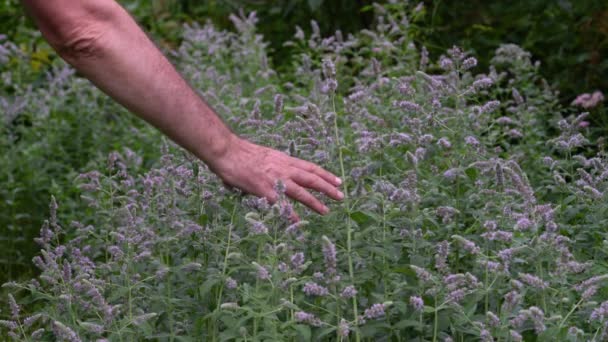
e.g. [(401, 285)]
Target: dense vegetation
[(569, 37), (475, 211)]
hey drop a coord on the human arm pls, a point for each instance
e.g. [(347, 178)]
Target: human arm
[(101, 40)]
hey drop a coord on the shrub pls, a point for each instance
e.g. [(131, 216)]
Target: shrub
[(472, 212)]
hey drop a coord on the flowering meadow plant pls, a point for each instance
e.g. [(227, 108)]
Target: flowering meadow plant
[(474, 208)]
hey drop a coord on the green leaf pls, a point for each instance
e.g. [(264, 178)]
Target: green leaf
[(206, 287), (407, 323), (472, 173), (303, 332), (324, 332), (361, 218), (314, 4), (428, 309)]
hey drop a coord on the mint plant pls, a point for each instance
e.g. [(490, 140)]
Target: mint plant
[(473, 207)]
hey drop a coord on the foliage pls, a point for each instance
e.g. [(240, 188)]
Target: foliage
[(465, 217), (569, 37), (53, 123)]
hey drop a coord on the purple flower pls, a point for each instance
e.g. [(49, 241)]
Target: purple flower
[(356, 96), (515, 134), (36, 335), (446, 63), (498, 235), (446, 213), (408, 106), (329, 68), (92, 327), (29, 321), (470, 246), (589, 100), (523, 224), (456, 53), (504, 120), (297, 260), (456, 295), (533, 281), (230, 283), (314, 289), (261, 271), (443, 249), (451, 174), (444, 142), (375, 311), (538, 317), (486, 336), (15, 309), (469, 63), (515, 336), (492, 319), (483, 83), (343, 328), (517, 97), (417, 303), (490, 107), (116, 252), (329, 254), (10, 325), (588, 293), (257, 228), (349, 292), (574, 331), (329, 86), (421, 273), (471, 140), (600, 313), (308, 318), (63, 332)]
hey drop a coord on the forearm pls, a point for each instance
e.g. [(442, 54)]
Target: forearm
[(102, 41)]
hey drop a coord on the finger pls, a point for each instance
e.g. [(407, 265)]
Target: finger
[(271, 196), (300, 194), (319, 171), (314, 182)]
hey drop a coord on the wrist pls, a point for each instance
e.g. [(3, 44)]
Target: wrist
[(219, 150)]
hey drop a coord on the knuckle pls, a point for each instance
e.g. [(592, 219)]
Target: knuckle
[(299, 193)]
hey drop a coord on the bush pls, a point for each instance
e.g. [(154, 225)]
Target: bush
[(53, 124), (473, 210)]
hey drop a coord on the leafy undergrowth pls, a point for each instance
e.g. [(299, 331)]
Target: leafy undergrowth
[(474, 211)]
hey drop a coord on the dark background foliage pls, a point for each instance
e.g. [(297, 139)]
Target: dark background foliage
[(569, 37)]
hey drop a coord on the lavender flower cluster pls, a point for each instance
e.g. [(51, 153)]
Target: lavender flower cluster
[(463, 220)]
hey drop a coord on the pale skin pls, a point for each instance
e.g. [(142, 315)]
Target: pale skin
[(103, 42)]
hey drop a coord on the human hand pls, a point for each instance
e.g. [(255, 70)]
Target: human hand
[(255, 169)]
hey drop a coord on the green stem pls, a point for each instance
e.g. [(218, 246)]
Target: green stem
[(170, 305), (349, 230), (225, 265), (435, 323), (570, 313)]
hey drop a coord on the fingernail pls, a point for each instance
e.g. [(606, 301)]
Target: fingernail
[(325, 210), (340, 195), (338, 180)]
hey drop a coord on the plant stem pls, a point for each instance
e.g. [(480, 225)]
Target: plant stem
[(436, 322), (570, 313), (225, 265), (349, 230)]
